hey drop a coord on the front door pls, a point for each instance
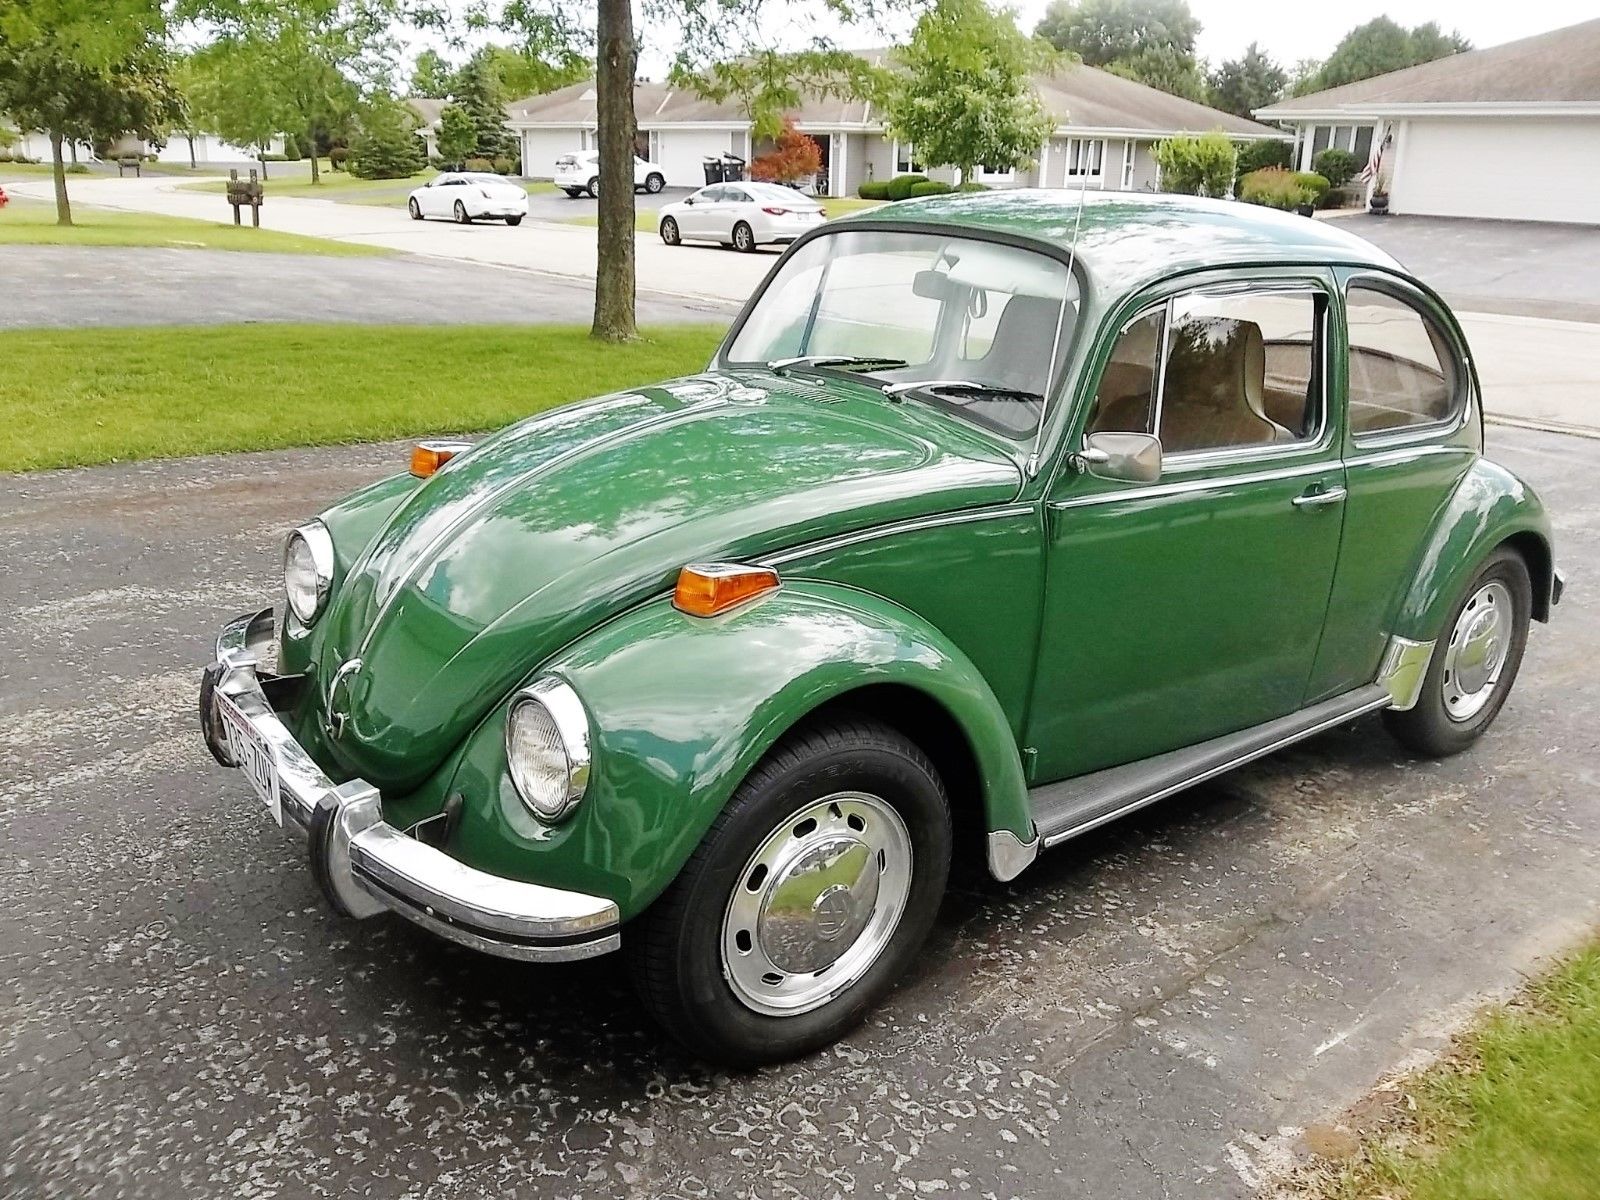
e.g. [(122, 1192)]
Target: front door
[(1192, 607)]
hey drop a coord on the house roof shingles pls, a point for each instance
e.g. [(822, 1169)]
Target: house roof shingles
[(1559, 67), (1079, 96)]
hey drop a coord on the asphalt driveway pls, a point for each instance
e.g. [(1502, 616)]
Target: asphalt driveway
[(77, 286), (1521, 268), (1157, 1010)]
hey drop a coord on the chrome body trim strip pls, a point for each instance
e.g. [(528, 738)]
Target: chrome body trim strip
[(1404, 667), (1009, 855), (1207, 484), (367, 866)]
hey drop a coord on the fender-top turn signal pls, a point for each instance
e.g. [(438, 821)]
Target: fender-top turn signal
[(428, 457), (706, 589)]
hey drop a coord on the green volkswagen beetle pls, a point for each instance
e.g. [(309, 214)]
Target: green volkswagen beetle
[(994, 518)]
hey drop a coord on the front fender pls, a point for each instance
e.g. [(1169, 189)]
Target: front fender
[(1488, 506), (681, 709)]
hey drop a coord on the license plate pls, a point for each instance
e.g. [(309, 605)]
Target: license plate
[(254, 756)]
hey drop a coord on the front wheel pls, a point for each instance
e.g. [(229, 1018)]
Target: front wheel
[(513, 221), (594, 187), (807, 900), (654, 182), (743, 238), (669, 231), (461, 214), (414, 208), (1474, 663)]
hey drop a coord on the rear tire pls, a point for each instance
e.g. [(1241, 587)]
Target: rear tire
[(462, 217), (594, 188), (513, 221), (1474, 663), (744, 238), (669, 232), (832, 856), (414, 209), (573, 193), (653, 183)]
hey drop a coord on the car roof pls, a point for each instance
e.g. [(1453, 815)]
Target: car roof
[(1138, 237)]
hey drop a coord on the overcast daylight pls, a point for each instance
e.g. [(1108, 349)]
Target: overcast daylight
[(607, 599)]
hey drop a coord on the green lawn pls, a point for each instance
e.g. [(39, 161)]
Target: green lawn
[(1513, 1114), (33, 223), (74, 397), (343, 187)]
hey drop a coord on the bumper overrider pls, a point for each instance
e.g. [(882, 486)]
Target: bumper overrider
[(364, 865)]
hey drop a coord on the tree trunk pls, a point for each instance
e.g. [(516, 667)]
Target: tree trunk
[(193, 164), (312, 135), (59, 171), (614, 270), (261, 156)]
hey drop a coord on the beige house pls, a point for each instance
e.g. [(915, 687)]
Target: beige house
[(1105, 129), (1510, 132)]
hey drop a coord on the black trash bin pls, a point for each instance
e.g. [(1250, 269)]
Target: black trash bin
[(732, 168), (713, 168)]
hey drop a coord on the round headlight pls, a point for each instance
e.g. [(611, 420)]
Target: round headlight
[(547, 748), (308, 570)]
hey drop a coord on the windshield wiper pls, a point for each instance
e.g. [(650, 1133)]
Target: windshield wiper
[(780, 365), (962, 387)]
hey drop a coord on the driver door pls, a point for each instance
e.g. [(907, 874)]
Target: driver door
[(1191, 607)]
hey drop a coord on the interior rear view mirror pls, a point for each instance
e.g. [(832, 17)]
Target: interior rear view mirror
[(930, 285), (1130, 457)]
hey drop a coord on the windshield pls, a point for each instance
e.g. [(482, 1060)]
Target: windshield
[(971, 327)]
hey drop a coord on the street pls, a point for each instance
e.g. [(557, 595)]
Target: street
[(1159, 1009)]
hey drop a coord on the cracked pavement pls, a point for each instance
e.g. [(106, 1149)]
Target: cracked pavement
[(1154, 1010)]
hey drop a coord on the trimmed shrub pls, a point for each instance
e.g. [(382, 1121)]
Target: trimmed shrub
[(504, 166), (77, 169), (930, 187), (291, 150), (337, 157), (1276, 187), (972, 185), (874, 189), (272, 158), (1196, 166), (1255, 155), (1335, 165), (478, 164), (900, 186)]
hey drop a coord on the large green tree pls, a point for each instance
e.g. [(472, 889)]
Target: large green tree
[(963, 93), (85, 70), (1378, 47), (1165, 68), (1101, 32), (1242, 85), (386, 145), (477, 91), (739, 34), (431, 75)]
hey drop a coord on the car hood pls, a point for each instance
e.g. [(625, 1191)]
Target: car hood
[(551, 526)]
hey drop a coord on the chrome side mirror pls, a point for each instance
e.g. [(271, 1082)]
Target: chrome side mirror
[(1130, 457)]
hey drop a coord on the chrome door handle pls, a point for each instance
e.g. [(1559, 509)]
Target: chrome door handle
[(1333, 495)]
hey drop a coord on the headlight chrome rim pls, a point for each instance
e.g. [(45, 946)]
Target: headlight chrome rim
[(319, 543), (570, 720)]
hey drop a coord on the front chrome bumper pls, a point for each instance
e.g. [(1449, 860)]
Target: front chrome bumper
[(367, 866)]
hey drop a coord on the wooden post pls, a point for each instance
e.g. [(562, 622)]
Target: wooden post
[(233, 192)]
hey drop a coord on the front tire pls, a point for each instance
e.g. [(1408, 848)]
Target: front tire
[(744, 238), (594, 187), (414, 208), (513, 221), (462, 218), (573, 193), (669, 232), (805, 902), (1474, 663), (653, 183)]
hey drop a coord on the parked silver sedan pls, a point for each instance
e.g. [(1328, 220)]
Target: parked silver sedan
[(742, 215), (467, 196)]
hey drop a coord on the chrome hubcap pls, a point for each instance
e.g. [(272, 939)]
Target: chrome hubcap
[(1476, 653), (816, 904)]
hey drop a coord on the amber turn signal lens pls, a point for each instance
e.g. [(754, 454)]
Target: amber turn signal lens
[(706, 589), (428, 457)]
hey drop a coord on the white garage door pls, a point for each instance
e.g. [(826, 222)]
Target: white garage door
[(1524, 169), (682, 151), (541, 148)]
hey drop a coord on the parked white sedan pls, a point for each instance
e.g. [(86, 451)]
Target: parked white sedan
[(742, 215), (579, 172), (467, 196)]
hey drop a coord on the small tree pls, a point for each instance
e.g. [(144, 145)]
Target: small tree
[(458, 136), (1242, 85), (1196, 166), (965, 95), (1335, 165), (794, 156), (477, 92), (387, 146), (1263, 152)]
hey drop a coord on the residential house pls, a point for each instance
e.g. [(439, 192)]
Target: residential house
[(427, 113), (1106, 128), (1510, 132)]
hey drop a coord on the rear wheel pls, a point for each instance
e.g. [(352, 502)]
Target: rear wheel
[(594, 187), (654, 182), (461, 214), (414, 209), (574, 193), (513, 221), (743, 238), (669, 232), (1474, 663), (806, 901)]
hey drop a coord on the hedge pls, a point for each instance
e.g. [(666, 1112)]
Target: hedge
[(900, 186), (930, 187), (874, 189)]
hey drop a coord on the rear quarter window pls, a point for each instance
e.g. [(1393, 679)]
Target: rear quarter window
[(1403, 372)]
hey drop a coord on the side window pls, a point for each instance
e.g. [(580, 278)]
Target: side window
[(1402, 370), (1125, 401), (1240, 370)]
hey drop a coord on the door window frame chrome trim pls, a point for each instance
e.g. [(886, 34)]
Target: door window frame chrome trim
[(1399, 289), (1175, 487)]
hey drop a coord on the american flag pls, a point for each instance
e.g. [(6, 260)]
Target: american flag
[(1375, 159)]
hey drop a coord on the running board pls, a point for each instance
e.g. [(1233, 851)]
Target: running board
[(1073, 806)]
